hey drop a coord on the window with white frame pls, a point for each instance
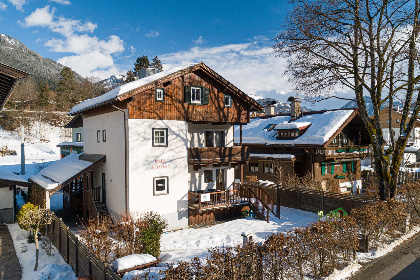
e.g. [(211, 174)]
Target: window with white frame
[(160, 185), (160, 94), (98, 136), (196, 95), (160, 137), (78, 137), (208, 176), (253, 166), (228, 100)]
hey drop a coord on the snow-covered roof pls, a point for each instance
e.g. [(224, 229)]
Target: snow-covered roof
[(10, 176), (292, 125), (278, 156), (132, 261), (323, 126), (113, 94), (60, 171), (70, 144)]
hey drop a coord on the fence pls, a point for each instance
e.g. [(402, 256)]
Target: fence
[(76, 254), (315, 201)]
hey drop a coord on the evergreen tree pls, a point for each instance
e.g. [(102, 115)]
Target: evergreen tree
[(43, 94), (130, 77), (157, 64), (66, 96), (140, 64)]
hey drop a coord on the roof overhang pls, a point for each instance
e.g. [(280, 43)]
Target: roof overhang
[(8, 78)]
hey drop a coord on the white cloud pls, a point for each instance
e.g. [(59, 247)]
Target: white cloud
[(199, 41), (89, 55), (62, 2), (152, 34), (252, 67), (3, 6), (45, 17), (18, 4)]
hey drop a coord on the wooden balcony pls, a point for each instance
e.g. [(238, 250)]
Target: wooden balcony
[(215, 199), (236, 154)]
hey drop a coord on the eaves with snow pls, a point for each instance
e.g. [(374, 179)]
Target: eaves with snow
[(321, 127)]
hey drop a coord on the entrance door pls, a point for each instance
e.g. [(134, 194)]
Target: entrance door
[(220, 179)]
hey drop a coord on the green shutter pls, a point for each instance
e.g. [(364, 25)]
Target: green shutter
[(205, 99), (187, 94), (352, 166), (344, 167), (322, 168), (332, 167)]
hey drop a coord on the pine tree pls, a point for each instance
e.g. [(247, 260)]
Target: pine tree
[(66, 96), (130, 77), (157, 64), (140, 64), (43, 94)]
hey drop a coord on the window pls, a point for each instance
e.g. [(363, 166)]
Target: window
[(269, 127), (104, 135), (398, 120), (78, 137), (268, 168), (196, 95), (160, 137), (98, 136), (253, 166), (208, 176), (387, 121), (228, 101), (160, 185), (160, 94), (215, 139)]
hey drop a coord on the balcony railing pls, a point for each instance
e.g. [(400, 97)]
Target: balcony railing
[(206, 200), (218, 155)]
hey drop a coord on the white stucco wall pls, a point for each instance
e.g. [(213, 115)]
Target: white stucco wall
[(113, 148), (6, 198), (148, 162)]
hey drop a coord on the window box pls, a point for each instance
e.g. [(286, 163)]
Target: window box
[(160, 185), (160, 94), (342, 176), (160, 137)]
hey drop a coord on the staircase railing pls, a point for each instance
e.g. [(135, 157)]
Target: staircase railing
[(254, 201), (262, 195)]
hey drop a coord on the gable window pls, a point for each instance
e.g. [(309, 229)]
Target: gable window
[(160, 94), (253, 166), (98, 136), (160, 185), (160, 137), (196, 95), (228, 100), (208, 176), (104, 135), (78, 137)]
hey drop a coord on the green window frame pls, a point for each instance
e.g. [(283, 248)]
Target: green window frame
[(332, 167), (344, 167), (203, 95), (322, 168)]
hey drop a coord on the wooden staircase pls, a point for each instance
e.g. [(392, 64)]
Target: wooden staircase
[(102, 211), (260, 202)]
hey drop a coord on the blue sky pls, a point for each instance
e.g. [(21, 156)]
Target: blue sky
[(103, 38)]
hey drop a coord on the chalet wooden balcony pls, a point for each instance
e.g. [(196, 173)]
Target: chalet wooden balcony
[(214, 199), (236, 154)]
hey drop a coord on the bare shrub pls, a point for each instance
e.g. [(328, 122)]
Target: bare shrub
[(410, 195)]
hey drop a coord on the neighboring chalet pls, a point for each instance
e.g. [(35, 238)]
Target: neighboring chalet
[(327, 144), (162, 143), (8, 181), (76, 144), (411, 153)]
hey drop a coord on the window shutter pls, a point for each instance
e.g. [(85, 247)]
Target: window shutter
[(205, 99), (332, 167), (322, 168), (344, 167), (187, 94), (352, 166)]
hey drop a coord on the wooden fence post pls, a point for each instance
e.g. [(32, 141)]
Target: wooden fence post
[(59, 235), (76, 244), (68, 247)]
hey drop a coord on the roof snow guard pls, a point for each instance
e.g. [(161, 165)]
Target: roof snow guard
[(127, 90), (63, 171)]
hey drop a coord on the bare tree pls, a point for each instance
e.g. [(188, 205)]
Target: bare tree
[(368, 46)]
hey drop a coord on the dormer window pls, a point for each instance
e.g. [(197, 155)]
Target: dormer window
[(160, 94)]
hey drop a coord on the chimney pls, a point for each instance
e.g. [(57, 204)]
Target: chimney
[(147, 72), (269, 110), (295, 109)]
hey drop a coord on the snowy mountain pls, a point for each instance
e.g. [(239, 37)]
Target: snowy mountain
[(112, 82), (15, 54), (369, 106), (280, 107)]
